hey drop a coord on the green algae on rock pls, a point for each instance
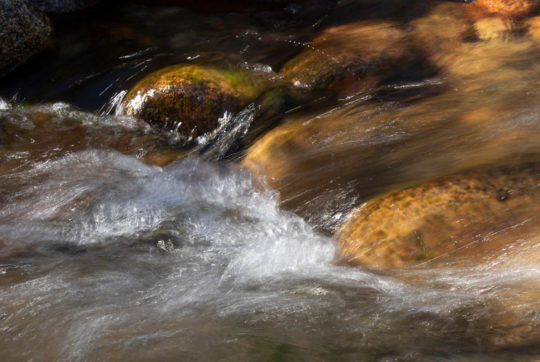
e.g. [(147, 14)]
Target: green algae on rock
[(190, 98), (468, 216), (24, 32)]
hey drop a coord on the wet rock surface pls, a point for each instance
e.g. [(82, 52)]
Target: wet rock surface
[(473, 216), (318, 159), (359, 52), (38, 133), (191, 99), (24, 32), (512, 8)]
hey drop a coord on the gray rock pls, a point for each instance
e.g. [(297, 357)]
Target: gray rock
[(61, 6), (24, 32)]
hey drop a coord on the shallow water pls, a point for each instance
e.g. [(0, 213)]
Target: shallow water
[(105, 256), (189, 261)]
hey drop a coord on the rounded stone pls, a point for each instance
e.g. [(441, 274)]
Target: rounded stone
[(467, 216), (24, 33), (190, 98), (360, 51)]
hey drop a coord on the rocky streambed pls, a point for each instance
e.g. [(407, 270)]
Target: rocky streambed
[(269, 180)]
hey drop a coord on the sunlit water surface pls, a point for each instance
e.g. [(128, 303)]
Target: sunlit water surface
[(105, 257)]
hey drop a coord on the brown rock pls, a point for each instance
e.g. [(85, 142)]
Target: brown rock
[(164, 157), (471, 216), (428, 33), (360, 51), (320, 162), (502, 7), (493, 28), (533, 27)]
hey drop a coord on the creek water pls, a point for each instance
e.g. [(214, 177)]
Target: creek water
[(104, 256)]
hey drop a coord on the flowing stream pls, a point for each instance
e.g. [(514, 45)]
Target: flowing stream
[(105, 256)]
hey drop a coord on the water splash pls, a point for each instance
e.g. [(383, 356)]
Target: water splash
[(101, 251), (216, 144)]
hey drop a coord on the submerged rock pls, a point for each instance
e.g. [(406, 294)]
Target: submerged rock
[(434, 38), (62, 6), (361, 52), (43, 132), (190, 98), (511, 8), (494, 28), (471, 216), (482, 110), (533, 27), (24, 32)]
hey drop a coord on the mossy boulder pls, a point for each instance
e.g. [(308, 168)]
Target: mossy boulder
[(24, 32), (190, 98), (358, 53), (468, 216)]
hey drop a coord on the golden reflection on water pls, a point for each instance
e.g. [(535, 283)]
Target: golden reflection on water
[(481, 109)]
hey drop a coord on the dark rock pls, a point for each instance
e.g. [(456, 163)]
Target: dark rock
[(62, 6), (24, 33)]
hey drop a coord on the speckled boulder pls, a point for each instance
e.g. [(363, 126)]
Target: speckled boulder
[(23, 32), (360, 51), (62, 6), (190, 99), (468, 216)]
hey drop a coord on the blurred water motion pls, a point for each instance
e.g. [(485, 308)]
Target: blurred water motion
[(105, 255)]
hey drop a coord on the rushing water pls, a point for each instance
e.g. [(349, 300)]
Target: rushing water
[(106, 256)]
